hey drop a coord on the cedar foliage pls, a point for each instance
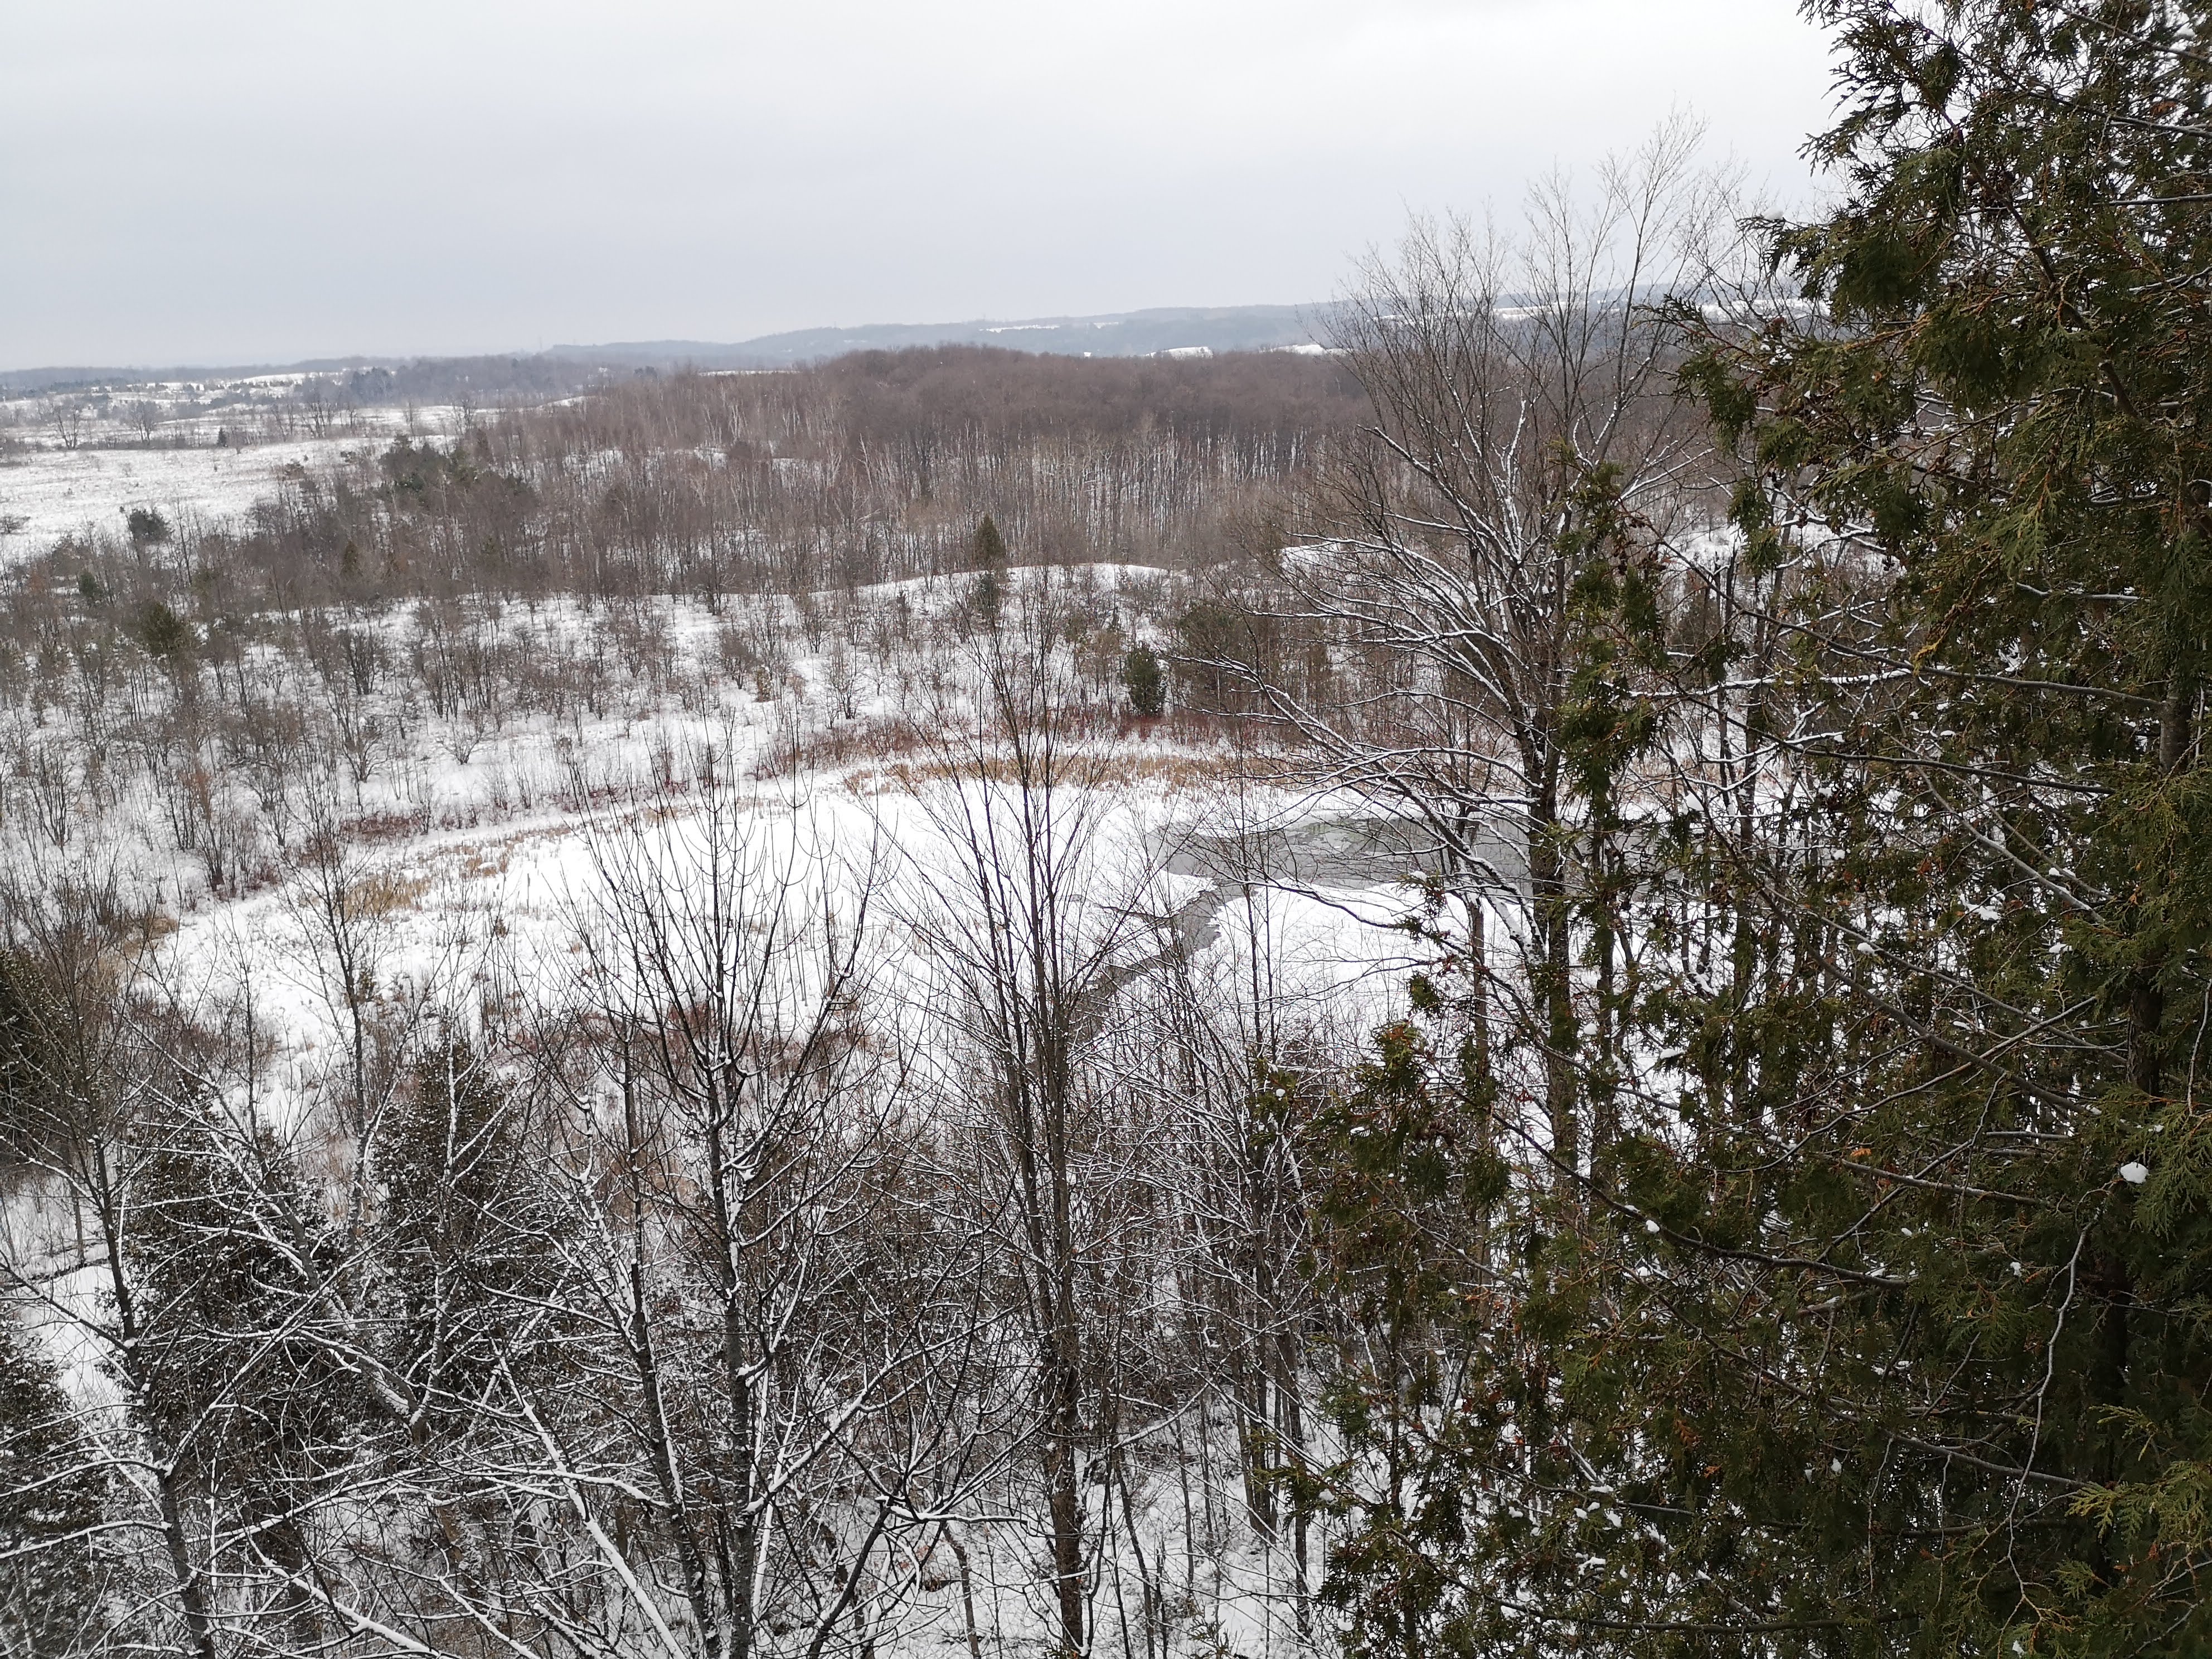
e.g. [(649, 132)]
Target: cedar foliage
[(52, 1577), (460, 1241), (1142, 678), (1875, 1321)]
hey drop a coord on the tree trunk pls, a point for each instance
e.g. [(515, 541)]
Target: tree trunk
[(2147, 995), (1548, 888)]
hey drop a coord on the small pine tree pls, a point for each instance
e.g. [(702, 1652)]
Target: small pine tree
[(147, 526), (989, 556), (163, 633), (984, 598), (1145, 683), (218, 1246), (989, 547), (457, 1252)]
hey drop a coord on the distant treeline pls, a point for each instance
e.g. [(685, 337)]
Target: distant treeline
[(420, 379), (871, 468)]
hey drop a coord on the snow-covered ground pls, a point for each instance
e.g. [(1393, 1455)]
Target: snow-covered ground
[(530, 884), (473, 832), (478, 823), (49, 492), (73, 463)]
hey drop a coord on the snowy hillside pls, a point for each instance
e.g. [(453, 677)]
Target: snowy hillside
[(676, 958)]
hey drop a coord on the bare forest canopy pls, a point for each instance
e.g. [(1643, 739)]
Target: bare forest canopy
[(872, 468), (563, 368), (357, 381), (1120, 334)]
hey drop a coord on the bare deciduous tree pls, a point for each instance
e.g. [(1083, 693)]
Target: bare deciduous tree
[(752, 1152), (1523, 406), (1030, 953), (65, 419)]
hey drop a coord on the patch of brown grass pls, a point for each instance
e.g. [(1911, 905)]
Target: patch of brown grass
[(382, 892)]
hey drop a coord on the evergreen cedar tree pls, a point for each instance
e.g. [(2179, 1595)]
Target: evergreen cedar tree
[(1880, 1325), (1145, 683), (162, 632), (50, 1575), (990, 559), (51, 1583), (990, 552)]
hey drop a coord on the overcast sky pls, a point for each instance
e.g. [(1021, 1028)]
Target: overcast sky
[(258, 181)]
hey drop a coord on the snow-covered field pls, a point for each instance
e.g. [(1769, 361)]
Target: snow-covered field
[(72, 464), (485, 904), (500, 907), (48, 493)]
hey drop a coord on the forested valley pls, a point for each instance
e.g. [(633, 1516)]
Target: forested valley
[(1530, 986)]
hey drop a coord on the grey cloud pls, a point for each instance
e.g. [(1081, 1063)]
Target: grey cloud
[(232, 180)]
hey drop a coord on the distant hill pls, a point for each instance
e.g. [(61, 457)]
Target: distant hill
[(566, 368), (1119, 334), (387, 380)]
